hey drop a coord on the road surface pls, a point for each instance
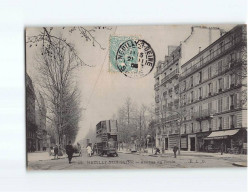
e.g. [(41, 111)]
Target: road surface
[(136, 161)]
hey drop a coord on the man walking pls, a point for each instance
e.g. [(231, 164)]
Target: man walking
[(56, 152), (175, 148), (69, 151)]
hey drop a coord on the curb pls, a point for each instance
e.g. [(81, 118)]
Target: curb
[(240, 164)]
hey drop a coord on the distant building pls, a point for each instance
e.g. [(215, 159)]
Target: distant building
[(40, 109), (214, 95), (31, 127), (167, 83)]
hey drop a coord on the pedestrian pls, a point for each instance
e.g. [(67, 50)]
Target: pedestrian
[(222, 148), (56, 151), (69, 151), (175, 148), (89, 150), (157, 150)]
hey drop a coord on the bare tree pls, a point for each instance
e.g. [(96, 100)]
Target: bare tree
[(55, 68), (48, 38)]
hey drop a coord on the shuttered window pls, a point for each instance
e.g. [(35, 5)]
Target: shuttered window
[(227, 103)]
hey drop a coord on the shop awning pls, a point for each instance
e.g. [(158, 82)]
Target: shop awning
[(222, 134)]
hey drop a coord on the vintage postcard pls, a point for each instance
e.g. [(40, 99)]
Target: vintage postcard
[(136, 97)]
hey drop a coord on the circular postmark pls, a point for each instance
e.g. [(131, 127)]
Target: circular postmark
[(135, 58)]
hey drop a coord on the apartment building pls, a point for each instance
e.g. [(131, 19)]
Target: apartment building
[(168, 112), (213, 95)]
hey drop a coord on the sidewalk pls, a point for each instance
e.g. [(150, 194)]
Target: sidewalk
[(40, 156), (151, 152)]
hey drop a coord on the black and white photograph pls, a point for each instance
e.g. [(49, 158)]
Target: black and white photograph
[(126, 96), (136, 97)]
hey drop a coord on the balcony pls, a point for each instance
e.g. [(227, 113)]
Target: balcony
[(214, 55), (170, 118), (156, 86), (170, 76), (204, 114)]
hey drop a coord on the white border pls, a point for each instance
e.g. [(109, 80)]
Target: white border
[(16, 15)]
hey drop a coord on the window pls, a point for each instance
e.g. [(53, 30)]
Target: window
[(227, 103), (233, 101), (200, 77), (184, 99), (227, 82), (191, 81), (210, 124), (192, 127), (233, 80), (232, 57), (220, 101), (200, 93), (210, 89), (184, 85), (200, 126), (185, 128), (233, 121), (209, 72), (220, 123), (192, 96), (209, 107), (200, 110), (220, 67), (192, 112), (220, 84)]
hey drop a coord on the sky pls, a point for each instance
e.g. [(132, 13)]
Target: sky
[(103, 91)]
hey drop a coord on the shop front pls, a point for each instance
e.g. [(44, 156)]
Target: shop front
[(184, 142), (165, 142), (234, 141), (192, 142), (173, 140), (200, 142)]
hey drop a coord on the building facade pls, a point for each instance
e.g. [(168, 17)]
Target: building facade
[(167, 110), (213, 95), (40, 109), (31, 127)]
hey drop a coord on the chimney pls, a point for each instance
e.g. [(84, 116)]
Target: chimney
[(171, 48)]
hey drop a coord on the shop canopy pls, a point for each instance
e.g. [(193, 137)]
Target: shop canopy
[(222, 134)]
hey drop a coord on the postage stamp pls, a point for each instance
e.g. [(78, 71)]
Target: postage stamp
[(131, 56)]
